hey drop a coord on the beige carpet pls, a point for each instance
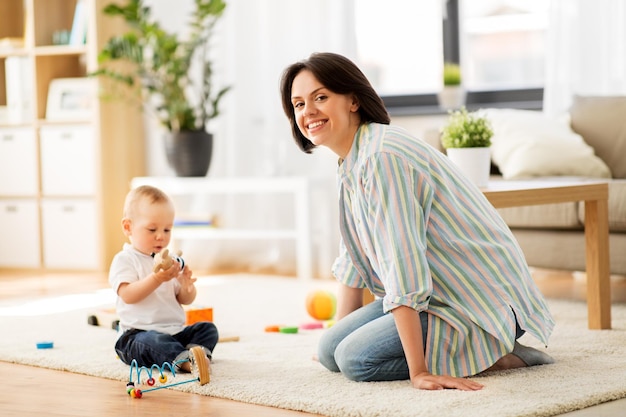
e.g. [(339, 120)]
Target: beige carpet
[(277, 370)]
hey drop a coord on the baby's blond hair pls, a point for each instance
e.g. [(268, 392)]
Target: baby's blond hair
[(144, 192)]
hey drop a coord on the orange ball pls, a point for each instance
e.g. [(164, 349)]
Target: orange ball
[(321, 305)]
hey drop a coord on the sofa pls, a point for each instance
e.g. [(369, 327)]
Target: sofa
[(552, 236), (588, 144)]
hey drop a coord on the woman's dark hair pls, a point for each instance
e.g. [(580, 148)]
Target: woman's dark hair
[(339, 75)]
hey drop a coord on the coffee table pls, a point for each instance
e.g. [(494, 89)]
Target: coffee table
[(508, 193)]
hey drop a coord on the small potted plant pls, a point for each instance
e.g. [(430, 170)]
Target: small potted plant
[(158, 66), (467, 140), (452, 96)]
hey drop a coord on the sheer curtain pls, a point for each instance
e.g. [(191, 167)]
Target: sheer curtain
[(586, 52), (256, 40), (259, 39)]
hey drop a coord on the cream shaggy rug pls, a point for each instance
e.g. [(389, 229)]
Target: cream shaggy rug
[(277, 369)]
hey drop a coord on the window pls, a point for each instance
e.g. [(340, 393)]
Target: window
[(413, 64), (500, 44)]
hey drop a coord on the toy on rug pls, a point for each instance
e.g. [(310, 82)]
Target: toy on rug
[(199, 369), (312, 326), (274, 328), (108, 316), (45, 344), (321, 305), (193, 314), (164, 260)]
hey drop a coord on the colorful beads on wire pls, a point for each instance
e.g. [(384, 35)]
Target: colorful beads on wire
[(134, 366)]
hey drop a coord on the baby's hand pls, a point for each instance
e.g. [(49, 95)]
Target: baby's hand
[(186, 280), (165, 275)]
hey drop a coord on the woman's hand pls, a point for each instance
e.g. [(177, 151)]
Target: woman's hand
[(409, 328), (429, 381)]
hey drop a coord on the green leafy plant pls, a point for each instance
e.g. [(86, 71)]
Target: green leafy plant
[(451, 74), (156, 64), (466, 130)]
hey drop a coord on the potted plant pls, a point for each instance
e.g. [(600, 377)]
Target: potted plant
[(467, 140), (452, 96), (157, 66)]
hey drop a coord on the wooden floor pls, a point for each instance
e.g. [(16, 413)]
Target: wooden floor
[(31, 391)]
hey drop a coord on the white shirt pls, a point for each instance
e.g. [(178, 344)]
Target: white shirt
[(159, 311)]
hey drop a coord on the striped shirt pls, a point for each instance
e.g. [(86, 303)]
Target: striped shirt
[(417, 233)]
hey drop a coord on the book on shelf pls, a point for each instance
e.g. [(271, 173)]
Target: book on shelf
[(78, 35), (11, 44), (19, 89), (192, 223)]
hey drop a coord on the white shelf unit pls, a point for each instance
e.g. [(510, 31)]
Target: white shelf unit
[(62, 181), (297, 187)]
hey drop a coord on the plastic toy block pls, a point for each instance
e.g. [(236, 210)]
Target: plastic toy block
[(195, 314)]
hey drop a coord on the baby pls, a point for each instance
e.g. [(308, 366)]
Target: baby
[(149, 304)]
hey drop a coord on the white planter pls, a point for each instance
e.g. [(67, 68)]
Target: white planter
[(475, 163), (451, 97)]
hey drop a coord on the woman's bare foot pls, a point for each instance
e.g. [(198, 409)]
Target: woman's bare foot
[(508, 361)]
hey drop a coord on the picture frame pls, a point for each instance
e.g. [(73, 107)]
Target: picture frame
[(70, 99)]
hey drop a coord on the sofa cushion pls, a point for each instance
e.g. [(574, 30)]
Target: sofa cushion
[(617, 206), (545, 216), (529, 144), (601, 121)]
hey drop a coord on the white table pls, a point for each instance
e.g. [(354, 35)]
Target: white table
[(298, 187)]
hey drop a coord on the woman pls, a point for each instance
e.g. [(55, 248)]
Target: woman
[(420, 237)]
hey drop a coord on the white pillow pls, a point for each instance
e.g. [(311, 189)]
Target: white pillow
[(527, 143)]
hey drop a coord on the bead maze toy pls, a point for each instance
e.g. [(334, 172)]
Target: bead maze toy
[(199, 369)]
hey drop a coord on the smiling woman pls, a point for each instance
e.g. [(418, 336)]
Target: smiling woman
[(420, 237)]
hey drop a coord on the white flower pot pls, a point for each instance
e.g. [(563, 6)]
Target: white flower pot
[(451, 97), (475, 163)]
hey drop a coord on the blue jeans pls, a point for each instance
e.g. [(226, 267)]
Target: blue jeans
[(149, 347), (365, 345)]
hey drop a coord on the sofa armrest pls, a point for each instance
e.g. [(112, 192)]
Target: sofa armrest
[(601, 121)]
